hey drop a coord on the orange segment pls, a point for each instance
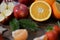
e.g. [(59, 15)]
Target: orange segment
[(56, 9), (40, 11), (20, 34)]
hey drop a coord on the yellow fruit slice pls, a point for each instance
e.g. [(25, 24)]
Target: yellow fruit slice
[(40, 11), (20, 34)]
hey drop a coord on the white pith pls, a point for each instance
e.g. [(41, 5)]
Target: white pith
[(40, 38), (11, 5), (40, 10), (7, 12), (3, 6)]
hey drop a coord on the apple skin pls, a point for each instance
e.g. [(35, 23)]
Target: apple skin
[(52, 35), (20, 11), (1, 37)]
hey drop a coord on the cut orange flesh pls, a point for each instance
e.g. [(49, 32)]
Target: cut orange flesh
[(56, 9), (40, 11), (20, 34)]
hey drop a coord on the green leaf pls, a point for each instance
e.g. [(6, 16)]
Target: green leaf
[(14, 24), (49, 28), (28, 24)]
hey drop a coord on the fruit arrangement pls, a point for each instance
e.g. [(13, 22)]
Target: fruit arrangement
[(23, 17)]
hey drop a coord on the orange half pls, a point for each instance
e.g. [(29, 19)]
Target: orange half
[(56, 9), (40, 11)]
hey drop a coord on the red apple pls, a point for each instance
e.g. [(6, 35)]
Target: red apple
[(52, 35), (1, 37), (20, 11)]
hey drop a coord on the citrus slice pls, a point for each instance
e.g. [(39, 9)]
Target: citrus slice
[(20, 34), (56, 9), (40, 11)]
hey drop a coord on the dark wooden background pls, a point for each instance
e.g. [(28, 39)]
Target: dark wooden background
[(42, 25)]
